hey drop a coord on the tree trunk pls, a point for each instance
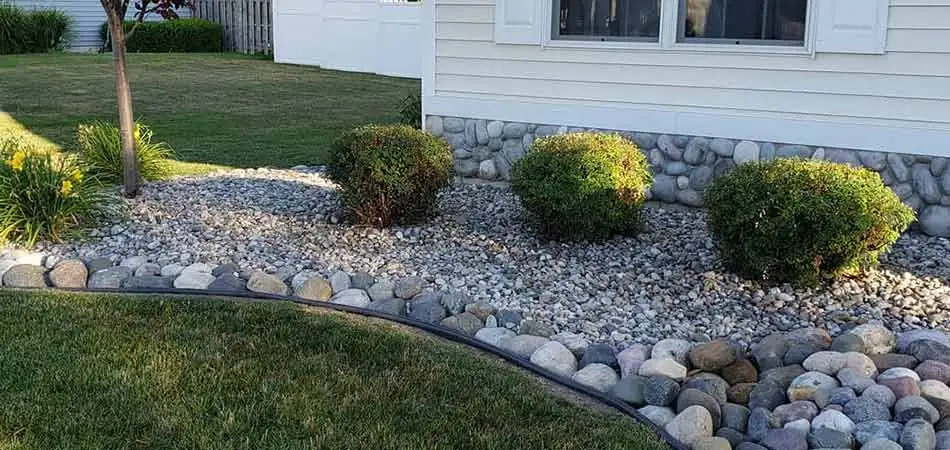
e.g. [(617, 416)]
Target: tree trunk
[(130, 173)]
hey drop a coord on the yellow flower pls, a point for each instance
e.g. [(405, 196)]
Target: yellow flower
[(16, 162), (77, 177), (67, 187), (137, 134)]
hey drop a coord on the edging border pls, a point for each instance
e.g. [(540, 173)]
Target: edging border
[(437, 330)]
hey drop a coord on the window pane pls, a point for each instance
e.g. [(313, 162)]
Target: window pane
[(776, 20), (608, 19)]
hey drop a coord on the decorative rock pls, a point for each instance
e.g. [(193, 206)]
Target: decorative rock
[(660, 391), (943, 440), (630, 390), (722, 147), (795, 411), (380, 290), (741, 371), (523, 345), (828, 438), (426, 308), (902, 386), (397, 307), (813, 337), (825, 362), (148, 270), (259, 282), (316, 288), (769, 353), (24, 276), (677, 349), (877, 429), (454, 302), (349, 297), (554, 357), (465, 323), (804, 386), (70, 273), (712, 356), (198, 268), (918, 435), (750, 446), (854, 379), (932, 350), (712, 443), (691, 425), (575, 343), (864, 409), (767, 395), (915, 407), (934, 370), (133, 262), (599, 377), (802, 426), (666, 367), (487, 170), (226, 282), (937, 394), (711, 384), (741, 392), (848, 343), (110, 278), (906, 339), (784, 375), (362, 280), (600, 354), (837, 396), (934, 220), (785, 439), (225, 268), (694, 397), (171, 270), (734, 437), (880, 394), (834, 420), (480, 310), (943, 425), (339, 281), (535, 328), (148, 282), (760, 421), (96, 264), (861, 362), (746, 152), (506, 317), (877, 338), (882, 444), (631, 359), (735, 416), (659, 415), (408, 287), (891, 360)]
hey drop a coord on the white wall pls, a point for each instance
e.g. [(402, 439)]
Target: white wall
[(374, 36), (898, 101)]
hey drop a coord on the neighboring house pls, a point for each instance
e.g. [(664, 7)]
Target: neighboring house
[(88, 17)]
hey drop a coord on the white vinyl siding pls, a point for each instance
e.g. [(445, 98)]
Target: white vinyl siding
[(907, 87)]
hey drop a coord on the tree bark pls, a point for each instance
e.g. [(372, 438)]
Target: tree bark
[(130, 173)]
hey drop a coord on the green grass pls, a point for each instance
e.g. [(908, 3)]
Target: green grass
[(214, 109), (110, 372)]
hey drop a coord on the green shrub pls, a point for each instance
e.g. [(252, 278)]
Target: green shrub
[(33, 31), (389, 174), (100, 150), (43, 196), (411, 110), (171, 36), (803, 221), (583, 185)]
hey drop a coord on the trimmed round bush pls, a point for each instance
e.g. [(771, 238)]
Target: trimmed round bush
[(389, 174), (583, 185), (803, 221)]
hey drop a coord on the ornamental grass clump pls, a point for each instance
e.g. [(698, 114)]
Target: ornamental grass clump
[(389, 174), (100, 149), (803, 221), (583, 185), (44, 196)]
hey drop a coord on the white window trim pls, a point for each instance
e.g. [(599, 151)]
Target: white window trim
[(669, 28)]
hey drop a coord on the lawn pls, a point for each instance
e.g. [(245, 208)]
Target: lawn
[(110, 372), (214, 109)]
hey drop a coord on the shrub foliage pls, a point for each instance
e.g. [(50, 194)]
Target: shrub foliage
[(171, 36), (583, 185), (803, 221), (411, 110), (100, 149), (389, 174), (32, 31), (43, 196)]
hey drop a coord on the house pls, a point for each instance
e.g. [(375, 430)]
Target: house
[(88, 17)]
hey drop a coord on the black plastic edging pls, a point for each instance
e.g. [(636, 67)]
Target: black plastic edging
[(437, 330)]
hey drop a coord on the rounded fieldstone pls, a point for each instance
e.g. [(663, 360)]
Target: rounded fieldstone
[(380, 290), (25, 276), (506, 317), (861, 362), (631, 359), (933, 370), (494, 336), (481, 310), (535, 328), (676, 349), (222, 269), (455, 302), (814, 337), (854, 379), (362, 280), (785, 439), (769, 353), (491, 322), (712, 356), (877, 338), (750, 446), (801, 425), (133, 262), (711, 384), (887, 361), (901, 387), (918, 435), (394, 307), (783, 376), (915, 407), (741, 371), (804, 386), (408, 287), (666, 367), (597, 376), (691, 425), (735, 416), (198, 268), (228, 282), (555, 357), (148, 270), (316, 288), (659, 415), (907, 338), (630, 390), (828, 438), (195, 280), (848, 343), (864, 409), (70, 273), (148, 282), (877, 429), (740, 393), (767, 395), (943, 440), (933, 350), (340, 281), (735, 437), (171, 270), (465, 323), (938, 394), (882, 444), (96, 264), (660, 391), (109, 278), (835, 420), (349, 297), (880, 394), (712, 443), (691, 397), (576, 343), (600, 354), (259, 282), (760, 421), (837, 396), (826, 362), (795, 411), (943, 425), (522, 345), (746, 152), (426, 307)]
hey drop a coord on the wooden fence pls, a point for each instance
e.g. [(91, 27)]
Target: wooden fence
[(248, 24)]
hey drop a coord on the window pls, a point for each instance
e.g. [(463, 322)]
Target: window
[(743, 21), (607, 20)]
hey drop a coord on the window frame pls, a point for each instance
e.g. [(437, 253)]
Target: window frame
[(681, 32), (669, 36), (556, 29)]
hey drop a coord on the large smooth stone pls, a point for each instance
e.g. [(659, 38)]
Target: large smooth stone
[(864, 409), (522, 345), (494, 335), (25, 276), (785, 439), (767, 395), (712, 356), (630, 390), (695, 397), (71, 273), (877, 338), (110, 278), (349, 297), (918, 434), (915, 407), (599, 377), (804, 386), (556, 358), (877, 429), (660, 390), (262, 283), (676, 349), (691, 425), (835, 420), (666, 367)]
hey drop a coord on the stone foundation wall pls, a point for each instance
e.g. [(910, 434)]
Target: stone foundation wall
[(684, 165)]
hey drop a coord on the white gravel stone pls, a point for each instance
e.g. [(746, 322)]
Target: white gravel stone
[(494, 336), (555, 357), (193, 280), (667, 367)]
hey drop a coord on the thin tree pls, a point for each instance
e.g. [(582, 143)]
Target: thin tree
[(115, 14)]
